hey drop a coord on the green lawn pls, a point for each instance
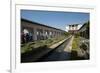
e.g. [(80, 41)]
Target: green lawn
[(75, 48), (75, 44)]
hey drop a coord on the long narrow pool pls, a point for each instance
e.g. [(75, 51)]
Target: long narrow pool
[(58, 54)]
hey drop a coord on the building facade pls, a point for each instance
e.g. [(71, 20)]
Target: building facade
[(73, 28), (84, 30), (39, 31)]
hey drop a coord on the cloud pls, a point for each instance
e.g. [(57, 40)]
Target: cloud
[(67, 28), (79, 26)]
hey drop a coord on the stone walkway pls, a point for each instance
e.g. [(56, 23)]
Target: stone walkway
[(68, 47)]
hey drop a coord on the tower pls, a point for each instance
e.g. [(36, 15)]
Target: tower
[(73, 28)]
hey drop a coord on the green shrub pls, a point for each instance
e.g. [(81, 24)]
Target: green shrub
[(83, 46)]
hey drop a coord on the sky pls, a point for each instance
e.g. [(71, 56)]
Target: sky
[(59, 20)]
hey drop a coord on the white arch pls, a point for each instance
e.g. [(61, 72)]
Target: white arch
[(25, 31)]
